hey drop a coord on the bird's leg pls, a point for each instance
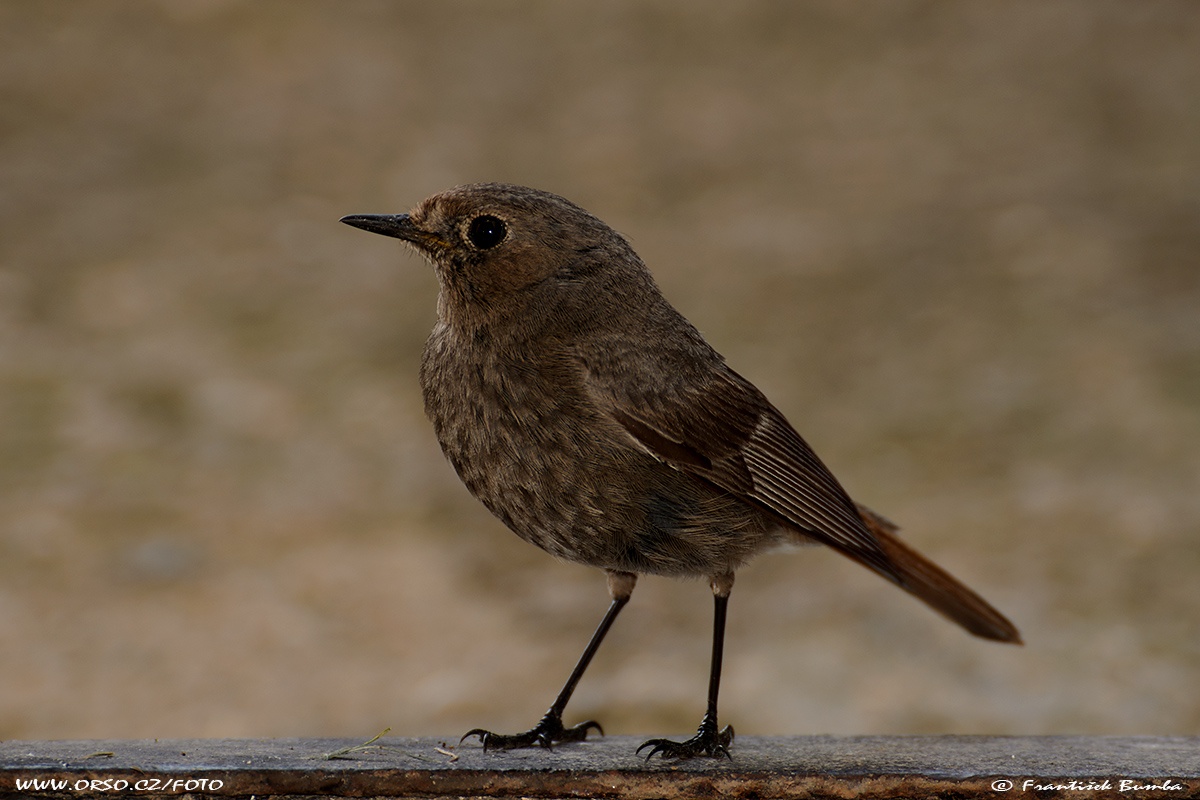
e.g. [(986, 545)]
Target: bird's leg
[(708, 741), (549, 730)]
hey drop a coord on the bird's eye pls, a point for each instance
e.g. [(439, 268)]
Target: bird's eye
[(486, 231)]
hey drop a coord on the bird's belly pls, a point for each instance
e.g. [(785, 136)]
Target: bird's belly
[(578, 487)]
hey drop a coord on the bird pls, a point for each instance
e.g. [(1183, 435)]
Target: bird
[(596, 422)]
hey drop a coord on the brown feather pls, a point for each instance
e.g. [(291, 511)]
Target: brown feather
[(789, 482), (931, 584), (759, 457), (585, 412)]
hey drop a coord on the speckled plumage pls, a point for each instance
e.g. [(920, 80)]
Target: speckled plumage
[(516, 382), (586, 413)]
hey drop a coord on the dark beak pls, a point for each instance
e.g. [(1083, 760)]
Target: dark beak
[(398, 226)]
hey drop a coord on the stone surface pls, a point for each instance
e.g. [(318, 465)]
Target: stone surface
[(783, 767)]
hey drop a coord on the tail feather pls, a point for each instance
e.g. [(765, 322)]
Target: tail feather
[(931, 584)]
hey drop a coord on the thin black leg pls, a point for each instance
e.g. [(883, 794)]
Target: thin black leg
[(549, 731), (708, 741)]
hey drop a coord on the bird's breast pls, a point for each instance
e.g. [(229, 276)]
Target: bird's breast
[(529, 443)]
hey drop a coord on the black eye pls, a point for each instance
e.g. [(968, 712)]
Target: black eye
[(486, 232)]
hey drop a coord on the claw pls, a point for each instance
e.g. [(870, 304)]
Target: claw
[(708, 741), (547, 733)]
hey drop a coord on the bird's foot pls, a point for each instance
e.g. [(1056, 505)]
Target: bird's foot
[(708, 741), (547, 733)]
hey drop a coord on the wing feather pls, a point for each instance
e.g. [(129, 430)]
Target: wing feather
[(727, 433)]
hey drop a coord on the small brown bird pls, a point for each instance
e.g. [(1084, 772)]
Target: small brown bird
[(586, 413)]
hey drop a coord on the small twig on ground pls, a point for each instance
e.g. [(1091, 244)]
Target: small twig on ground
[(347, 752)]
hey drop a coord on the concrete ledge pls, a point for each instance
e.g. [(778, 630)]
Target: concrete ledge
[(780, 767)]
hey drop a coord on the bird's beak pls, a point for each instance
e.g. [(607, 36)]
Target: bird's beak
[(398, 226)]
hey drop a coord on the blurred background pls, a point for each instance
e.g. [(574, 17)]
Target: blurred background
[(956, 243)]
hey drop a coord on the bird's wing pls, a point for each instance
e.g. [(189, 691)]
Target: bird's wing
[(724, 431)]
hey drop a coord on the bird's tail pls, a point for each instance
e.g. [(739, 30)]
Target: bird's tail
[(931, 584)]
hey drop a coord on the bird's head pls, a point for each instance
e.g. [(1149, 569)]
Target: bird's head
[(496, 245)]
